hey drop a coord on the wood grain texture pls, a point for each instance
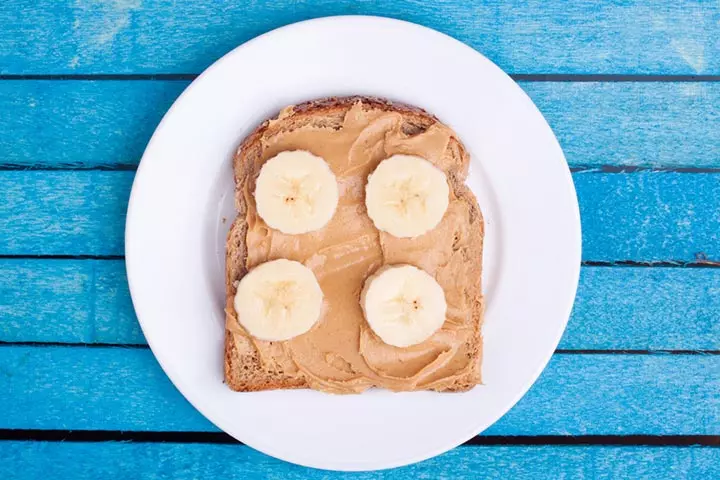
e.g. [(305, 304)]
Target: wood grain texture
[(63, 213), (90, 124), (81, 124), (649, 216), (67, 301), (646, 124), (644, 216), (645, 309), (658, 37), (109, 388), (87, 301), (32, 460)]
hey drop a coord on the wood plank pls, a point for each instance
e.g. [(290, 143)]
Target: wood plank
[(108, 123), (63, 213), (87, 301), (644, 37), (82, 124), (107, 388), (66, 301), (644, 216), (645, 309), (649, 216), (644, 124), (32, 460)]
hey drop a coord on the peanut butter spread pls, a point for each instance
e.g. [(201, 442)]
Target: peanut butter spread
[(341, 354)]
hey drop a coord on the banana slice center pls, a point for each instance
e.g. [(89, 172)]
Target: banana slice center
[(278, 300), (406, 196), (403, 310), (403, 305), (296, 192)]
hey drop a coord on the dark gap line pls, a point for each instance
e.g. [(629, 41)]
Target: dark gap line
[(640, 168), (225, 439), (62, 257), (524, 77), (143, 346), (599, 440), (120, 167), (103, 76), (612, 77), (134, 346), (563, 351), (115, 436), (131, 167), (699, 263)]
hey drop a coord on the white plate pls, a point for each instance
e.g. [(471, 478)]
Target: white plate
[(181, 207)]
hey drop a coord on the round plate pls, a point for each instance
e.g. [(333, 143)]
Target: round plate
[(181, 208)]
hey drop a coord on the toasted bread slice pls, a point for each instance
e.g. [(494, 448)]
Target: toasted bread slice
[(245, 369)]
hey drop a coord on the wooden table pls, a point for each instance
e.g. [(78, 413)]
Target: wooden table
[(632, 91)]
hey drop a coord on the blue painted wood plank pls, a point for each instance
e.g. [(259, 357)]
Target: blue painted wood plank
[(644, 124), (32, 460), (80, 123), (645, 309), (87, 301), (658, 37), (111, 388), (621, 394), (649, 216), (641, 216), (63, 213), (108, 123), (66, 301)]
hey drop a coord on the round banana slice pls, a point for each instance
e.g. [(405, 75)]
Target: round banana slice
[(403, 305), (406, 196), (278, 300), (296, 192)]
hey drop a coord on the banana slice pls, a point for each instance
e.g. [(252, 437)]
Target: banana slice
[(296, 192), (278, 300), (403, 305), (406, 196)]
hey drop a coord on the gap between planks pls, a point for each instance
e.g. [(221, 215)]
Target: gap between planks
[(700, 262), (143, 346), (525, 77), (223, 438), (129, 167)]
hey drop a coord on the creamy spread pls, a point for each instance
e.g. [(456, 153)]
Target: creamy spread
[(341, 354)]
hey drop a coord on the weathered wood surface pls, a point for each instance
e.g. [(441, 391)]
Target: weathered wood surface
[(67, 301), (644, 216), (116, 388), (625, 308), (132, 36), (80, 124), (63, 213), (90, 124), (649, 216), (32, 460)]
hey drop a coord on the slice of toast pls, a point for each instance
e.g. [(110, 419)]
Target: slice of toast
[(245, 368)]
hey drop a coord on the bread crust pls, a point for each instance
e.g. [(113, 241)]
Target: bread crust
[(244, 370)]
